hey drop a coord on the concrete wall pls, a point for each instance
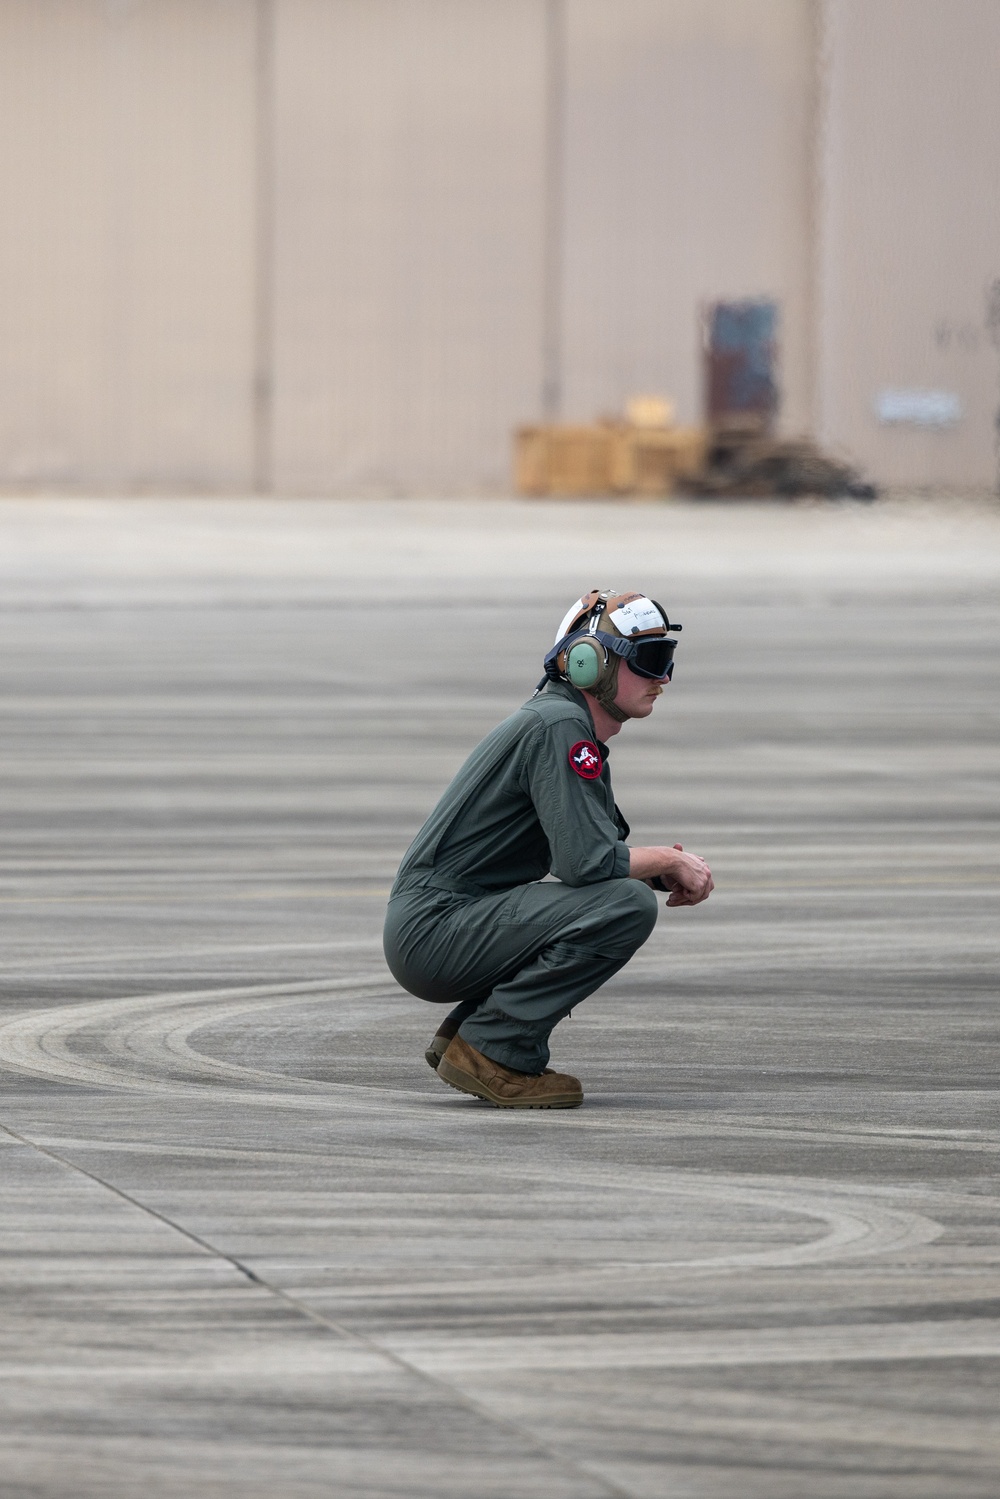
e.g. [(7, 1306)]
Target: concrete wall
[(688, 131), (408, 253), (344, 246), (910, 189), (127, 250)]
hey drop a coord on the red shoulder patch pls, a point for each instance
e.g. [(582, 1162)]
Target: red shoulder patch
[(585, 758)]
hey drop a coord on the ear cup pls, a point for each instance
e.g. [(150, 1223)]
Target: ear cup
[(585, 661)]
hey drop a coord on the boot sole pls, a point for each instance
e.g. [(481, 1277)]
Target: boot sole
[(466, 1083)]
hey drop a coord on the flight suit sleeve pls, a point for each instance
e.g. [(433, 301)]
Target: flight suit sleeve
[(573, 800)]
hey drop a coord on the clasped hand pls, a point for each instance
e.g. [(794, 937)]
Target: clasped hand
[(686, 876)]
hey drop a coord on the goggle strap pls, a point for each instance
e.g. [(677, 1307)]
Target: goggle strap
[(618, 645)]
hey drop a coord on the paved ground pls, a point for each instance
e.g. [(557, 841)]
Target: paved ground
[(252, 1247)]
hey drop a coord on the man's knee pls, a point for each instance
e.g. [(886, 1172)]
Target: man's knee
[(641, 906), (628, 916)]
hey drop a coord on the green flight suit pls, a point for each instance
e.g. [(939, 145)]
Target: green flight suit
[(470, 924)]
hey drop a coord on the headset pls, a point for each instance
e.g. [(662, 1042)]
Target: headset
[(584, 656)]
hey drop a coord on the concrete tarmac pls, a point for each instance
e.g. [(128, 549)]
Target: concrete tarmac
[(252, 1246)]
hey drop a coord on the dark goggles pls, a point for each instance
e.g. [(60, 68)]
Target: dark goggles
[(647, 658)]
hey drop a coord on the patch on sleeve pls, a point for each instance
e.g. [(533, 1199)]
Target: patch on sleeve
[(585, 759)]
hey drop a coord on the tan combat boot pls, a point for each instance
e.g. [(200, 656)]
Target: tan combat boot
[(469, 1071)]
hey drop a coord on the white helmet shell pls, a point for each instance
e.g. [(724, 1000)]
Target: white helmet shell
[(630, 614)]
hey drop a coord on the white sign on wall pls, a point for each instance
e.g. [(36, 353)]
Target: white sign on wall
[(918, 408)]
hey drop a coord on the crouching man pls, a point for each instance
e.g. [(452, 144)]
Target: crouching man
[(470, 925)]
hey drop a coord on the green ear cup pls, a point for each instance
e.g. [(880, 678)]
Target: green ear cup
[(584, 661)]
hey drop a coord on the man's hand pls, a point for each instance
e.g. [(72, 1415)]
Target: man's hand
[(686, 876), (691, 880)]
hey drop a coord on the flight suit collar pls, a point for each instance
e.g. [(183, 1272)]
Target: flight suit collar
[(574, 695)]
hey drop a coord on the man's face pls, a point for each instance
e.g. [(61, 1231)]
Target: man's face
[(636, 695)]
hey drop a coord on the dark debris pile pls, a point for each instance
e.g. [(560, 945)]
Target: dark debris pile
[(742, 461)]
